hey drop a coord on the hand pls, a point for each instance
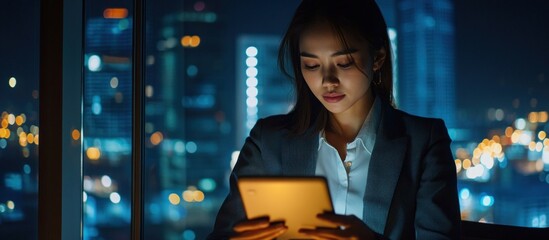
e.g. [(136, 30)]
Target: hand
[(258, 228), (351, 228)]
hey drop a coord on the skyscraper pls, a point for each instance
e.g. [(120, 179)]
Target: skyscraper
[(426, 58), (262, 90)]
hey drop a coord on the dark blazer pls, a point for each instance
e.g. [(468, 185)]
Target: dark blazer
[(412, 185)]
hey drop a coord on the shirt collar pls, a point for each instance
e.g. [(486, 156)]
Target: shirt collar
[(367, 133)]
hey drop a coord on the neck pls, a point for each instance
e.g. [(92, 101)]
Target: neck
[(347, 124)]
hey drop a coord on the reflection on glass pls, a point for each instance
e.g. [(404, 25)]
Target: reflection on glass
[(107, 120), (19, 123)]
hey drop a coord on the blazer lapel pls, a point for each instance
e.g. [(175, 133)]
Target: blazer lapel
[(299, 155), (385, 168)]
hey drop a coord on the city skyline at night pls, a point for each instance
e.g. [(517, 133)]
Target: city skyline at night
[(201, 61)]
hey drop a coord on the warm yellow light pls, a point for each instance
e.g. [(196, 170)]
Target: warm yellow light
[(36, 139), (466, 164), (10, 205), (3, 133), (156, 138), (476, 161), (198, 196), (23, 139), (19, 120), (533, 117), (543, 116), (542, 135), (497, 148), (75, 134), (476, 153), (11, 119), (190, 41), (115, 13), (532, 146), (539, 146), (174, 199), (188, 195), (546, 142), (93, 153), (195, 41), (4, 123), (12, 82), (186, 41), (508, 131), (30, 138), (515, 136), (458, 165), (539, 165)]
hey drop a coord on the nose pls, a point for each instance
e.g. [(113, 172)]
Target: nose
[(329, 78)]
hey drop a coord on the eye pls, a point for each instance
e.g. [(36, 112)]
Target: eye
[(310, 67), (346, 65)]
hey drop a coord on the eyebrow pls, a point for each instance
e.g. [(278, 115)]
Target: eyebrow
[(338, 53)]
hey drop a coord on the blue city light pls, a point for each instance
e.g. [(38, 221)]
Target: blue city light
[(26, 169), (487, 201), (94, 63), (207, 184), (189, 235), (464, 193)]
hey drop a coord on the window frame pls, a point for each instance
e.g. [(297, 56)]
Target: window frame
[(60, 168)]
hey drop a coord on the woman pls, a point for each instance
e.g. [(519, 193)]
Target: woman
[(391, 174)]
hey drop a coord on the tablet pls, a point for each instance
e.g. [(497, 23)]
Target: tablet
[(294, 200)]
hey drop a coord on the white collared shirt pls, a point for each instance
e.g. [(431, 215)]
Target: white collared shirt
[(347, 179)]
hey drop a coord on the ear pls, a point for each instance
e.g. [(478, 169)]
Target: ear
[(379, 59)]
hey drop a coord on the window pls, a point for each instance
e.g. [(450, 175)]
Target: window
[(19, 129), (107, 120), (210, 73)]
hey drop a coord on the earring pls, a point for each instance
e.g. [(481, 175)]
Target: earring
[(378, 82)]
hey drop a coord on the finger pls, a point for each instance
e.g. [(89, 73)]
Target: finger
[(263, 233), (324, 233), (251, 224), (341, 220)]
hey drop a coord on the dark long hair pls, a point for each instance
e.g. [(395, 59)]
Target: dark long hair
[(361, 18)]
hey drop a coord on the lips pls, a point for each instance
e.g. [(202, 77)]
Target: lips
[(333, 97)]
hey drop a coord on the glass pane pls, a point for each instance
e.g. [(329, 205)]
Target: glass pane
[(197, 89), (500, 144), (19, 134), (107, 119)]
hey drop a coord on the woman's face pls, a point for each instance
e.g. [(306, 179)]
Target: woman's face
[(338, 77)]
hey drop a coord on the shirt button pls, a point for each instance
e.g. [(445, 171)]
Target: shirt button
[(348, 166)]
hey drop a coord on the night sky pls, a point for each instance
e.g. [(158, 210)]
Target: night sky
[(502, 53)]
